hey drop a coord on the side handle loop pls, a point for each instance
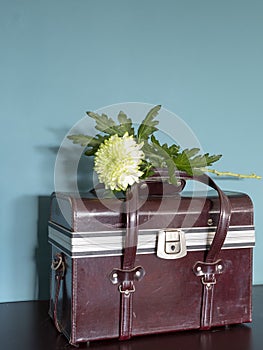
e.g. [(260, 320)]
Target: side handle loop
[(58, 266)]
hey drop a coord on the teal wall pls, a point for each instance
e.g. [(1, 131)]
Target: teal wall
[(200, 59)]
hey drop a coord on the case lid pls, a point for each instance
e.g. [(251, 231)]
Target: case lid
[(88, 226)]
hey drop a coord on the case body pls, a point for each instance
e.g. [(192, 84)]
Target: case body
[(89, 235)]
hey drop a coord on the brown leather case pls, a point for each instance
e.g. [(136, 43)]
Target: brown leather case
[(138, 291)]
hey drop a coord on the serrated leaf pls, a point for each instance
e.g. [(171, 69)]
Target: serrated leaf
[(153, 155), (187, 160), (190, 153), (171, 171), (92, 143), (147, 169), (172, 150), (160, 155), (156, 154), (82, 140), (182, 162), (104, 123), (125, 124), (148, 125), (212, 159), (190, 162), (94, 146), (123, 119)]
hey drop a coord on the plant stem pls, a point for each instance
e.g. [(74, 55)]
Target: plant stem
[(228, 173)]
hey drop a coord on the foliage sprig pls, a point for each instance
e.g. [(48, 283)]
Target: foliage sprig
[(157, 155)]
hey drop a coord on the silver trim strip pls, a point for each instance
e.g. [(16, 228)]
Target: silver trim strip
[(110, 243)]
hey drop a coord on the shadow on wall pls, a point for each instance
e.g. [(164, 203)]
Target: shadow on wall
[(43, 250)]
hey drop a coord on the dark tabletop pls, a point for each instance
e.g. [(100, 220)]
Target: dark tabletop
[(27, 326)]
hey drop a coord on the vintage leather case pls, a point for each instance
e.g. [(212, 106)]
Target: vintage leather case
[(99, 292)]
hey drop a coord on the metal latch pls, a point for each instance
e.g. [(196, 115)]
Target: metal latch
[(171, 244)]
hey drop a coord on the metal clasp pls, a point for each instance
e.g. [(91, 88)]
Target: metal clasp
[(208, 283), (126, 291), (171, 244)]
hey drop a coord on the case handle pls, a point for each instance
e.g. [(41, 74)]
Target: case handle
[(132, 216), (224, 215), (130, 248)]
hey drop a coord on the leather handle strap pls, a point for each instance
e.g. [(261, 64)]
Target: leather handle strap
[(212, 265), (224, 215), (130, 249), (132, 223), (132, 219), (129, 255), (128, 273)]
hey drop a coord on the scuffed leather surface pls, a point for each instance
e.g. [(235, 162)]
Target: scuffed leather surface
[(156, 212), (168, 298)]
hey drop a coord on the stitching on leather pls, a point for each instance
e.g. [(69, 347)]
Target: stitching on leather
[(74, 276)]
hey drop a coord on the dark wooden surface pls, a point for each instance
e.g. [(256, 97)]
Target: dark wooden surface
[(27, 326)]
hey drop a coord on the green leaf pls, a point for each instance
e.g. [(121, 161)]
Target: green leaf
[(189, 161), (147, 169), (161, 156), (104, 123), (108, 125), (93, 147), (92, 143), (182, 162), (170, 150), (125, 124), (156, 154), (212, 159), (148, 125), (82, 140), (171, 171), (153, 155)]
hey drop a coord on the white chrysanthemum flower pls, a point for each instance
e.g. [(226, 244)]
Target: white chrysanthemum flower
[(117, 162)]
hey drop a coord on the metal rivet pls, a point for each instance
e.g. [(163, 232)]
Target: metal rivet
[(143, 186), (114, 275), (199, 268), (138, 273), (220, 267), (210, 222)]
